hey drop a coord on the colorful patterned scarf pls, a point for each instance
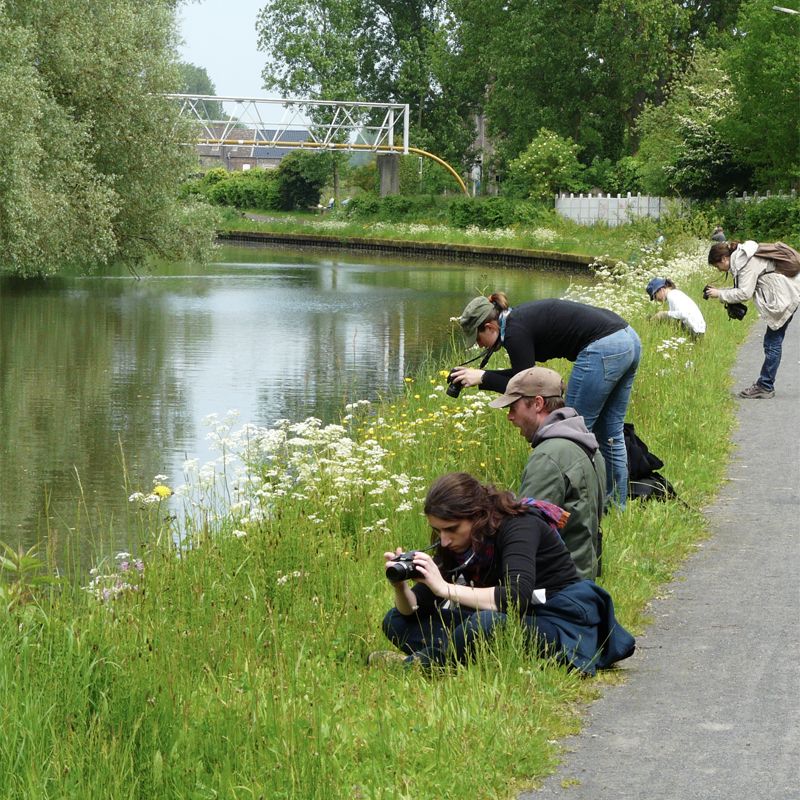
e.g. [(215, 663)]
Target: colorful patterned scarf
[(554, 515)]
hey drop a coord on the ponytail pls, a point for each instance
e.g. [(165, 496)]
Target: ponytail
[(720, 250), (499, 301)]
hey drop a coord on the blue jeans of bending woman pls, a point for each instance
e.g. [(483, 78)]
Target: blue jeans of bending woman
[(773, 349), (599, 389), (434, 638)]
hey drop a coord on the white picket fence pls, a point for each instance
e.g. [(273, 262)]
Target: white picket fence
[(613, 210)]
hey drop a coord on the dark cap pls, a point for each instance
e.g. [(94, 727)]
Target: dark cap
[(654, 286), (477, 311)]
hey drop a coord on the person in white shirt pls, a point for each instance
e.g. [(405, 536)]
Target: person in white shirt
[(681, 307)]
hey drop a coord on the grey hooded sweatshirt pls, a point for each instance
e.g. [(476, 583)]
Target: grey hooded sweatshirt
[(566, 468)]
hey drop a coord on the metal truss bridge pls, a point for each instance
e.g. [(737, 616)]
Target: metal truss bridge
[(303, 124)]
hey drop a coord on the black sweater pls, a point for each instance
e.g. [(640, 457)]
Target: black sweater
[(528, 555), (543, 329)]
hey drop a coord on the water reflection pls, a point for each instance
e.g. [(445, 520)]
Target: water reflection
[(97, 371)]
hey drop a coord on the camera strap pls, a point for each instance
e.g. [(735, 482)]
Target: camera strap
[(484, 356)]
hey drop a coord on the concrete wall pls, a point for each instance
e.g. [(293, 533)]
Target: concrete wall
[(612, 210)]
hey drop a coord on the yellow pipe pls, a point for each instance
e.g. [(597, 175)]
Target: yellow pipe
[(384, 148)]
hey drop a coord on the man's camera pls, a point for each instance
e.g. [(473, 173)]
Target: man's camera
[(453, 389), (706, 295), (401, 567)]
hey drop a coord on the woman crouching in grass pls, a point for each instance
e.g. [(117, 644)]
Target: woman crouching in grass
[(494, 553)]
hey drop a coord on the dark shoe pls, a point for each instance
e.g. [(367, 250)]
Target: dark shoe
[(756, 392)]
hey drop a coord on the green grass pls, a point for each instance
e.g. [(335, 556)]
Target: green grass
[(556, 234), (236, 668)]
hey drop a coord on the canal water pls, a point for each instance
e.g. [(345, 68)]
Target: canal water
[(106, 382)]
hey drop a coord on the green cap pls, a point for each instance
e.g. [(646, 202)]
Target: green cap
[(473, 316)]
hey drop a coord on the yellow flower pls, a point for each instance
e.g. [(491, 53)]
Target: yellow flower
[(408, 380), (162, 491)]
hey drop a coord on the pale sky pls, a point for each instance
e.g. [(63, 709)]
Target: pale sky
[(220, 36)]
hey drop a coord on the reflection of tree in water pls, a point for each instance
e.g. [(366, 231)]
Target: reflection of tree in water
[(380, 325), (87, 375)]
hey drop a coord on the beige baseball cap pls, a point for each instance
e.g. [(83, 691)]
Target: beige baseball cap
[(533, 382)]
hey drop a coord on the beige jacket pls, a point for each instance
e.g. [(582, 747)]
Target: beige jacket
[(775, 296)]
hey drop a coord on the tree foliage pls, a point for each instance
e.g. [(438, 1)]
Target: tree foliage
[(764, 65), (195, 80), (549, 164), (602, 73), (684, 149), (370, 50), (92, 152)]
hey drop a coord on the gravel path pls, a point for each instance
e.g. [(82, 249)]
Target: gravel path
[(711, 706)]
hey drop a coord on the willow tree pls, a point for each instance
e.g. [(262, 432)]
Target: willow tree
[(93, 154)]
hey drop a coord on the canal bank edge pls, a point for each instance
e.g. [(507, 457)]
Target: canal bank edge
[(437, 251)]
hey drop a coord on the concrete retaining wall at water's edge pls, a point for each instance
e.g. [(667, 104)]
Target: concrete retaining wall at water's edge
[(540, 259)]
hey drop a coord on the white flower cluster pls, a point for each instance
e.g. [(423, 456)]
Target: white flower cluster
[(408, 227), (108, 586), (490, 233), (544, 235), (620, 287), (331, 224), (284, 579), (670, 346), (303, 462)]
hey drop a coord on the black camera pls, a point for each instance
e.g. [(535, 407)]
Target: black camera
[(736, 310), (401, 567), (706, 295), (453, 389)]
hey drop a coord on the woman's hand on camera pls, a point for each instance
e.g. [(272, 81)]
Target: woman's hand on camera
[(429, 574), (467, 376), (387, 557)]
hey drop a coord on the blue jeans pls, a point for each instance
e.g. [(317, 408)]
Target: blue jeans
[(433, 638), (599, 390), (773, 349)]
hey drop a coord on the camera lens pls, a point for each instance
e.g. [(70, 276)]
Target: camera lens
[(453, 389), (402, 568)]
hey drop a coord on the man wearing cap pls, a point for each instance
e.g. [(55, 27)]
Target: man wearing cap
[(604, 348), (565, 467), (681, 307)]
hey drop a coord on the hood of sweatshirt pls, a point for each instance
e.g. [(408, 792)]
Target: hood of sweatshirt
[(565, 423)]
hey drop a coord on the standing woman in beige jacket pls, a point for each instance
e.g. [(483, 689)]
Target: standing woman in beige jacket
[(776, 296)]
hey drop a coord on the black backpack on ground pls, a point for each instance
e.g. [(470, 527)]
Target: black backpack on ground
[(644, 482)]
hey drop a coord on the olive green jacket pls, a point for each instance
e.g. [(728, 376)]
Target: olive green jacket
[(566, 468)]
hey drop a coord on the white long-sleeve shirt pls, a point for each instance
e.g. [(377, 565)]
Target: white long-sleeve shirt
[(684, 309)]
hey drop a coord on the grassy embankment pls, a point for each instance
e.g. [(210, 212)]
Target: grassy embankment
[(235, 668), (552, 232)]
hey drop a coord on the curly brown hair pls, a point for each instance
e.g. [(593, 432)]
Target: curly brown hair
[(458, 495)]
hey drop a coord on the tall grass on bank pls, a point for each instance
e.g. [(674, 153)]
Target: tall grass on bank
[(551, 233), (233, 665)]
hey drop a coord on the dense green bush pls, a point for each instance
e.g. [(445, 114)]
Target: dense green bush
[(495, 212), (397, 208), (257, 188), (549, 164), (763, 220), (363, 206), (300, 178)]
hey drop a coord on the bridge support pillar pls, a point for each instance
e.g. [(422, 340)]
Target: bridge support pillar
[(389, 171)]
